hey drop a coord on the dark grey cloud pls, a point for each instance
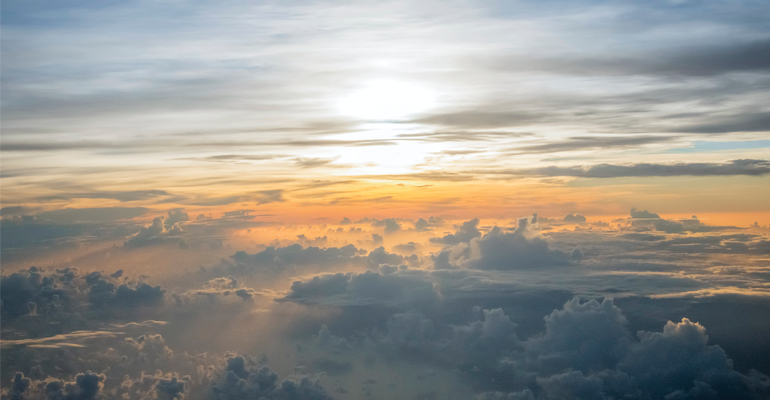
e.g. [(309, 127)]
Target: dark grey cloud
[(86, 387), (578, 143), (589, 336), (19, 386), (103, 292), (658, 363), (16, 210), (585, 351), (64, 291), (484, 340), (25, 235), (21, 233), (234, 377), (241, 382), (746, 122), (694, 61), (411, 331), (734, 167)]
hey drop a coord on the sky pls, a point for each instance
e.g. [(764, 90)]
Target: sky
[(385, 199)]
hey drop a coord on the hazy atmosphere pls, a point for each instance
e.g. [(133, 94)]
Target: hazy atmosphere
[(420, 200)]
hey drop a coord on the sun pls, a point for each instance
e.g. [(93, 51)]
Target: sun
[(386, 100)]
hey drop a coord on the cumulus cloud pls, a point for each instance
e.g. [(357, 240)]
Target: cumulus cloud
[(174, 216), (586, 351), (240, 382), (216, 289), (318, 241), (481, 341), (679, 361), (238, 378), (380, 256), (643, 214), (156, 233), (399, 287), (103, 292), (87, 386), (65, 290), (574, 219), (584, 336), (150, 348), (523, 248), (467, 231), (411, 331), (423, 225), (379, 313), (391, 225), (408, 248), (296, 254)]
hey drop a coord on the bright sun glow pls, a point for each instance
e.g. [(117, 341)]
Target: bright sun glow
[(386, 100)]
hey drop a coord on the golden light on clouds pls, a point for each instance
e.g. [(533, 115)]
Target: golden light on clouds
[(347, 200)]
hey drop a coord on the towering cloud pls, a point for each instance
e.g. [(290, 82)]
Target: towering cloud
[(524, 248)]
